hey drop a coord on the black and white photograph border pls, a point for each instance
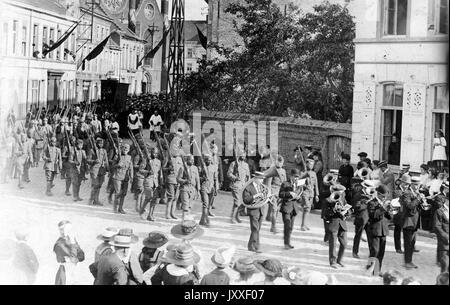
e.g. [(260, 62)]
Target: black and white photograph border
[(224, 142)]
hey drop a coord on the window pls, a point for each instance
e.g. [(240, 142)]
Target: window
[(98, 32), (189, 67), (204, 56), (190, 53), (396, 16), (34, 92), (44, 36), (103, 33), (391, 124), (66, 49), (35, 38), (5, 39), (51, 41), (440, 111), (442, 17), (58, 50), (24, 41), (14, 42), (73, 46)]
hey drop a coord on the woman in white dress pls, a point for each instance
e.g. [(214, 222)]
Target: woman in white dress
[(439, 145)]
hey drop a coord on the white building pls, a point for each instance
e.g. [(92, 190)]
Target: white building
[(401, 78), (25, 77), (194, 50)]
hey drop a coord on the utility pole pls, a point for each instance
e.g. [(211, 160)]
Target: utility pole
[(164, 74), (176, 57)]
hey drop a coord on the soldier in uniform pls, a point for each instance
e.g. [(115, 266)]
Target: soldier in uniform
[(122, 174), (172, 169), (410, 201), (28, 148), (276, 183), (78, 168), (209, 181), (289, 195), (151, 179), (47, 129), (39, 138), (21, 154), (217, 164), (189, 181), (113, 158), (98, 160), (239, 174), (378, 225), (310, 192), (52, 165)]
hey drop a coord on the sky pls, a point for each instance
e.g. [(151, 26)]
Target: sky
[(193, 9)]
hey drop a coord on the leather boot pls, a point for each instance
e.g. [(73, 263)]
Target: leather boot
[(121, 211), (92, 197), (68, 183), (172, 211), (49, 191), (236, 215), (150, 216), (232, 217)]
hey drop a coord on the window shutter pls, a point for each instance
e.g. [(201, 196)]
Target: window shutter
[(413, 129)]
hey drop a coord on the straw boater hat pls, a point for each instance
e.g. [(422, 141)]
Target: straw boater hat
[(155, 240), (187, 230), (271, 267), (406, 179), (108, 234), (245, 265), (296, 276), (415, 180), (181, 255), (121, 241), (223, 256), (128, 232)]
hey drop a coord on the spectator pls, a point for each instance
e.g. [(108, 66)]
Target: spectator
[(424, 176), (222, 259), (296, 276), (394, 151), (392, 277), (246, 269), (152, 251), (442, 279), (346, 173), (155, 125), (318, 168), (435, 182), (439, 145), (25, 259), (272, 269), (376, 172)]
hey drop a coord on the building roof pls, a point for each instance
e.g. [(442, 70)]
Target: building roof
[(49, 5), (190, 29)]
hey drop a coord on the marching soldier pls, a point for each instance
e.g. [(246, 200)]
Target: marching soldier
[(410, 201), (378, 225), (189, 182), (98, 160), (78, 169), (113, 158), (53, 164), (209, 181), (217, 163), (152, 179), (68, 150), (28, 148), (276, 183), (239, 174), (22, 153), (310, 192), (122, 174), (47, 129), (172, 168), (39, 138), (290, 194)]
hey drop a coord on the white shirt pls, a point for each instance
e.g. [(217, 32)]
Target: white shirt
[(155, 119), (435, 186), (133, 118), (115, 127)]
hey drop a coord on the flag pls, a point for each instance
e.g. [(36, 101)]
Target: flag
[(202, 37), (96, 51), (153, 51), (61, 40)]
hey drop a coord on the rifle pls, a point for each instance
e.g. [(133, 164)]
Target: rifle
[(110, 138), (136, 144), (202, 162), (91, 141), (164, 159)]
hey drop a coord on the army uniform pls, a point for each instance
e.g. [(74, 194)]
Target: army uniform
[(99, 166), (172, 187), (188, 187), (28, 149), (410, 223), (38, 136), (52, 165), (151, 178), (209, 185), (239, 174), (67, 151), (120, 178), (78, 170), (272, 213)]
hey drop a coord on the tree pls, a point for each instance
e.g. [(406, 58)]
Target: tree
[(289, 63)]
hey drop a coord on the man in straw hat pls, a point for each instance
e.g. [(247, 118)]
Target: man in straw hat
[(112, 268), (251, 193), (239, 174), (105, 247), (209, 180), (440, 225), (179, 267), (68, 254), (133, 267), (188, 229), (98, 160), (410, 202), (222, 259)]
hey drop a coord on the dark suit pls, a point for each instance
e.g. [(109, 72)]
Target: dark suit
[(289, 209), (110, 270), (255, 215), (410, 222), (337, 229), (398, 222), (359, 203), (440, 226), (378, 229)]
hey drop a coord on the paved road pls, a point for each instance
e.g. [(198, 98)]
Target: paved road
[(30, 207)]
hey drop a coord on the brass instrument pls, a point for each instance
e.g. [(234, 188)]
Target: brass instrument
[(364, 174), (343, 209), (422, 198), (330, 178), (265, 198)]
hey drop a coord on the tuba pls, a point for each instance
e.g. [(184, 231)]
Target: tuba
[(343, 209), (364, 174), (330, 178), (259, 202)]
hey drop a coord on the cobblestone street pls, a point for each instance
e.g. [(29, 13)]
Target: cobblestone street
[(30, 207)]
